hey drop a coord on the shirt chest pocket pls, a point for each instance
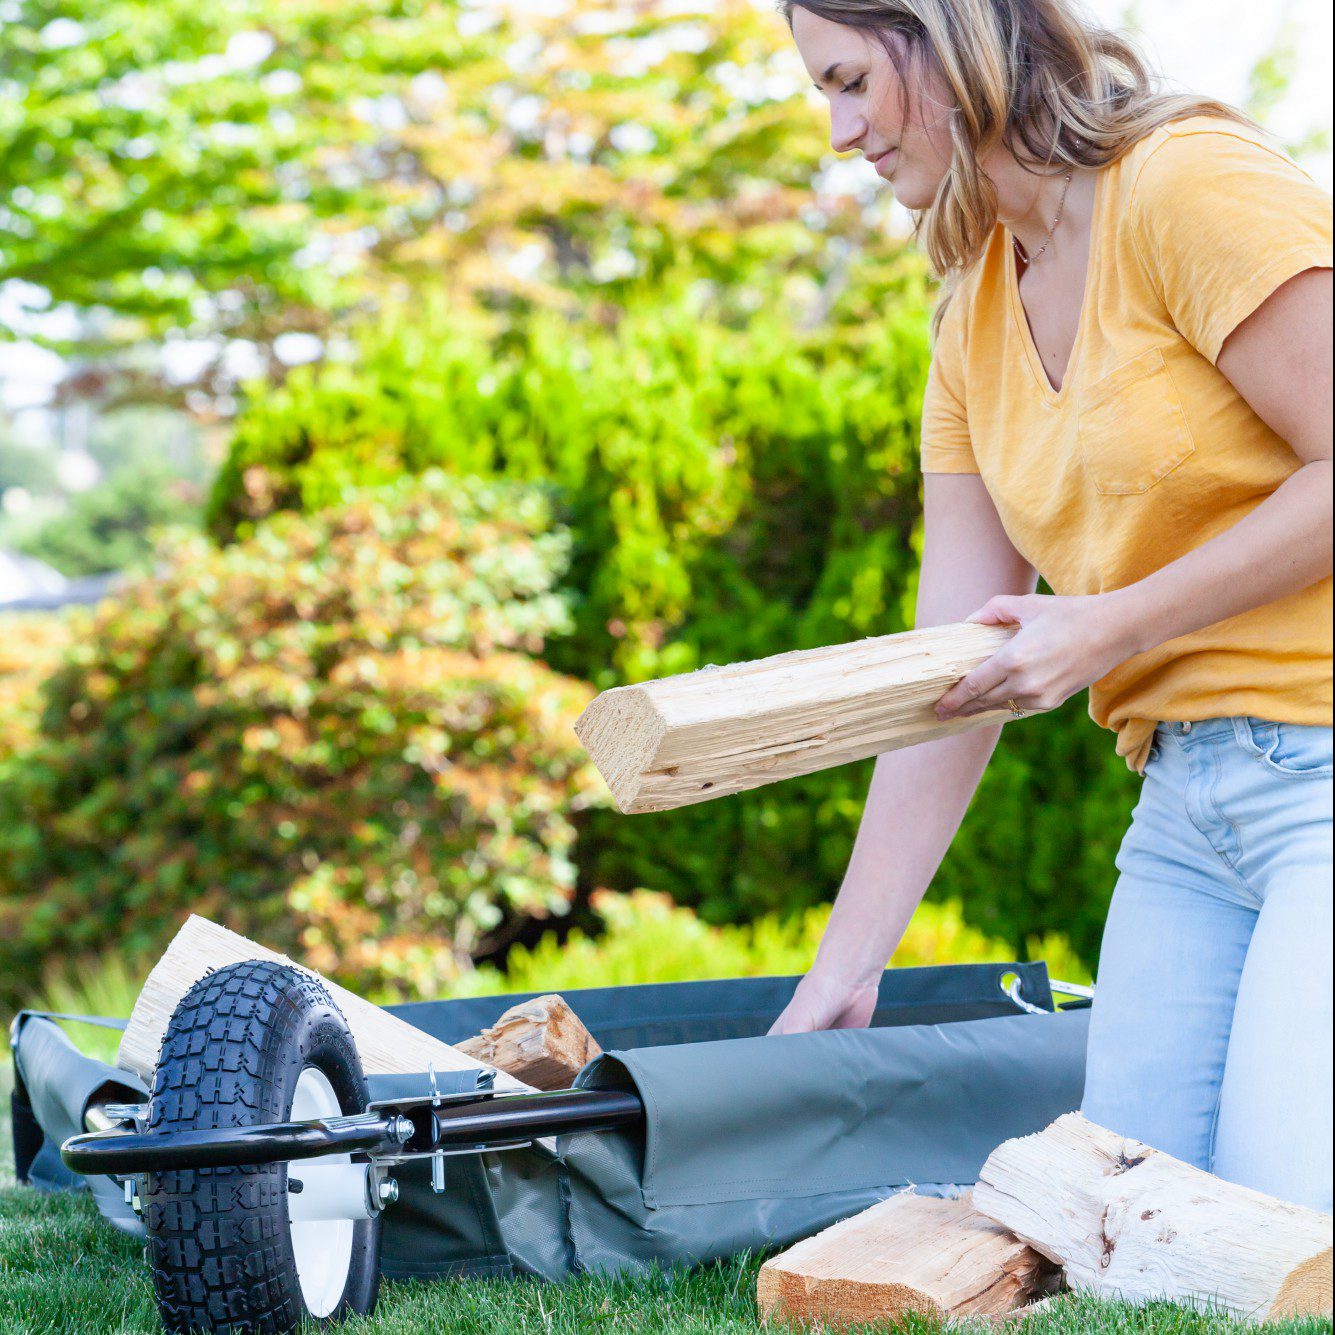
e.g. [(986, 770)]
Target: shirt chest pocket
[(1130, 427)]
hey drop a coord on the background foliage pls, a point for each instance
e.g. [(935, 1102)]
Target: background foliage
[(334, 737), (732, 493), (602, 252), (248, 170)]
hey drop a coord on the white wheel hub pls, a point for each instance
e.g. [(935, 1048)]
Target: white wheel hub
[(322, 1247)]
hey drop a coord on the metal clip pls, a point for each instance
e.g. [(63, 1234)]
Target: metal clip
[(1012, 990), (431, 1082), (438, 1172), (137, 1113)]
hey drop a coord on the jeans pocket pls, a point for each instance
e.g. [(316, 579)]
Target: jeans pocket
[(1295, 750)]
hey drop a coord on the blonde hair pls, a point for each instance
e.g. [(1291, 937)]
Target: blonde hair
[(1036, 76)]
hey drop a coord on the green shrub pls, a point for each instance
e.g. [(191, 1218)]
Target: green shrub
[(731, 494), (334, 737), (646, 938)]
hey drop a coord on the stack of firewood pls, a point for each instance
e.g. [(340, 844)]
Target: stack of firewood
[(539, 1044), (1074, 1204)]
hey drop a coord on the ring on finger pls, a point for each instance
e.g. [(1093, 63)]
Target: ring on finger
[(1015, 709)]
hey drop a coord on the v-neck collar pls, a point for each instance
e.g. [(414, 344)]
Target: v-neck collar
[(1021, 320)]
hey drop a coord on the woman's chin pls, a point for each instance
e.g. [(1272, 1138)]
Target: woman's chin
[(912, 194)]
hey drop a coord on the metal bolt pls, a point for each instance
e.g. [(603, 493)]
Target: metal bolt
[(388, 1191), (401, 1129)]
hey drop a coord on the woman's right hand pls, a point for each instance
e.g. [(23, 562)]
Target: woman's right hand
[(826, 1001)]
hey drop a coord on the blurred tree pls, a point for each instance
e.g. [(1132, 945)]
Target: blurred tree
[(250, 169), (23, 465), (111, 526)]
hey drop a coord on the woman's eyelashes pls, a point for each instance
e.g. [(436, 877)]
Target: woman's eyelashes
[(856, 85)]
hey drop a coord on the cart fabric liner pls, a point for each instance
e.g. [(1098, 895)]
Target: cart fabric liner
[(749, 1142)]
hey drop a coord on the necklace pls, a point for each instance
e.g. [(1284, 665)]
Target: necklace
[(1061, 205)]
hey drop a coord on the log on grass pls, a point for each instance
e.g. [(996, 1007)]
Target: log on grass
[(541, 1041), (1129, 1221), (678, 740), (907, 1254), (386, 1043)]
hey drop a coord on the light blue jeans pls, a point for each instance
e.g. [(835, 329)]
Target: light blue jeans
[(1210, 1036)]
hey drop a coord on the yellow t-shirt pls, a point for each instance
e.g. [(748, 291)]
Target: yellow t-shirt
[(1147, 451)]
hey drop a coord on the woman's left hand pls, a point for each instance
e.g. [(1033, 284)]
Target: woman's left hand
[(1063, 645)]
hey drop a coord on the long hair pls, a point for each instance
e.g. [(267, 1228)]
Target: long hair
[(1036, 76)]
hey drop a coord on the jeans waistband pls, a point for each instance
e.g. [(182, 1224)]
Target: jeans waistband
[(1203, 730), (1202, 726), (1241, 726)]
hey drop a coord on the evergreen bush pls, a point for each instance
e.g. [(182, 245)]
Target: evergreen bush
[(334, 736)]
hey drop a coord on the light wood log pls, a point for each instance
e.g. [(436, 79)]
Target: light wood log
[(386, 1043), (541, 1041), (1128, 1220), (907, 1254), (684, 739)]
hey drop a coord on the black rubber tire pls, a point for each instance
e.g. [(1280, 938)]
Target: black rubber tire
[(220, 1241)]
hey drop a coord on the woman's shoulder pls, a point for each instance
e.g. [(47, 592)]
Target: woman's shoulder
[(1184, 163)]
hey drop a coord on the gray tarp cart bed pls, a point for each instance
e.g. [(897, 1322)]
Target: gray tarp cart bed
[(746, 1141)]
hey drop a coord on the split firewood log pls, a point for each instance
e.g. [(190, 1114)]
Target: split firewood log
[(386, 1043), (540, 1041), (1129, 1221), (906, 1254), (700, 735)]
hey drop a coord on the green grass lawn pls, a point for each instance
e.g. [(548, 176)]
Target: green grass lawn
[(65, 1271)]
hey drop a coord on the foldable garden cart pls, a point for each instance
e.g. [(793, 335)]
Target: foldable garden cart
[(273, 1180)]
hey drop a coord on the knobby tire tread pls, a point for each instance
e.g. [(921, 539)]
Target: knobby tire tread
[(219, 1245)]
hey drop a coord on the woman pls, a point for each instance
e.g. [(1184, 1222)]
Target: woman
[(1130, 394)]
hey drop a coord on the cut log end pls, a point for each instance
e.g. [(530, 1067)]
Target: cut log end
[(622, 731), (1306, 1290), (540, 1041), (907, 1254), (838, 1304)]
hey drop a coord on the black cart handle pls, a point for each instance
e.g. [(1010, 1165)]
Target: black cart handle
[(416, 1127)]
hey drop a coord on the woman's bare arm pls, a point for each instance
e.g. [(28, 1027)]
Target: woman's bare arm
[(918, 795)]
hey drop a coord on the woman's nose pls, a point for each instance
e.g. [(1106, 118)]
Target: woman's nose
[(847, 129)]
